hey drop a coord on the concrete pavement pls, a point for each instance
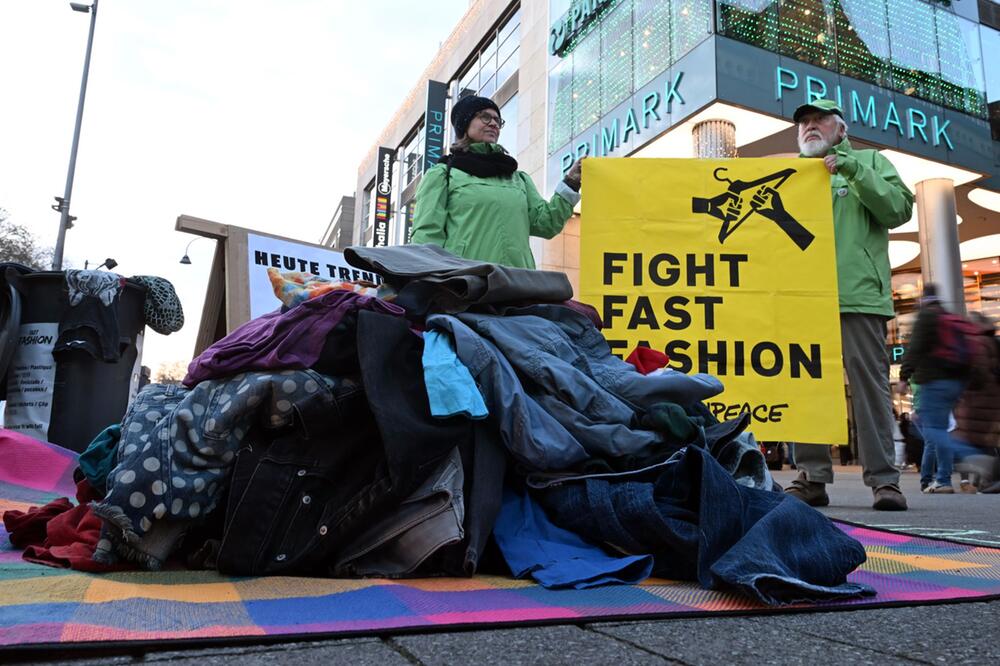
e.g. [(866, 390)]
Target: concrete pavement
[(967, 633)]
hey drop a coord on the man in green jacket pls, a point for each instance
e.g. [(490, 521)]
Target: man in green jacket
[(868, 199)]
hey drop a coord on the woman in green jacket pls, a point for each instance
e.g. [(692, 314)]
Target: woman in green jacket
[(477, 205)]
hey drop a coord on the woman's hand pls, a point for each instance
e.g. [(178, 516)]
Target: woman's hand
[(574, 176)]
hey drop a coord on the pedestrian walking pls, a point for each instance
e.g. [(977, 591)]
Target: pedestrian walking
[(869, 198), (476, 204), (939, 359), (977, 415), (912, 439)]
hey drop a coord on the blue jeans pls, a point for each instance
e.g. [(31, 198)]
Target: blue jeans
[(935, 402)]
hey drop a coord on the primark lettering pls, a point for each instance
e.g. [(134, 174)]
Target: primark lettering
[(611, 133), (864, 109)]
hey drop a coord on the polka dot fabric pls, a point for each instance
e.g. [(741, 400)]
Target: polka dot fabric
[(178, 445)]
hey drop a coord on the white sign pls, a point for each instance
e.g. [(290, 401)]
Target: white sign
[(288, 256), (31, 380)]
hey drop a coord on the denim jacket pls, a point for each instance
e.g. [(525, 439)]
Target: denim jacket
[(177, 448)]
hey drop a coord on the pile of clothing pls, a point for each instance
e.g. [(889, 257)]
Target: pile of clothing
[(475, 422)]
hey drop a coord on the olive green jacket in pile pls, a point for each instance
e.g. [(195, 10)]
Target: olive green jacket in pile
[(868, 199), (487, 219)]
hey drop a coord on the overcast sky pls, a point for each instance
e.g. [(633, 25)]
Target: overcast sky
[(251, 112)]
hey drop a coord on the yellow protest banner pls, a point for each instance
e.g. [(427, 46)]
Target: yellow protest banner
[(729, 267)]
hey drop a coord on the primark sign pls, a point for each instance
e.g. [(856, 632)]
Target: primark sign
[(907, 122), (724, 70)]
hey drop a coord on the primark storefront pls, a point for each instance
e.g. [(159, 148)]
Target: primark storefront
[(918, 79)]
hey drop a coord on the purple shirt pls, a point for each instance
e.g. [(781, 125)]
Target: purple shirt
[(279, 341)]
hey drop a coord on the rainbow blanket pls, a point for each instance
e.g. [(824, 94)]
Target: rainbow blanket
[(41, 606)]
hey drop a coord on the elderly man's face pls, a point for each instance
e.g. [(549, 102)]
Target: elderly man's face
[(818, 133)]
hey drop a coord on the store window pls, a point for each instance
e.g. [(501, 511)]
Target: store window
[(413, 157), (508, 133), (367, 218), (495, 62), (508, 52)]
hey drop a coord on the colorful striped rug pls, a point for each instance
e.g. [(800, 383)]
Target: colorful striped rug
[(45, 607)]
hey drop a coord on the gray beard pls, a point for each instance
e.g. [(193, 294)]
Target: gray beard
[(815, 147)]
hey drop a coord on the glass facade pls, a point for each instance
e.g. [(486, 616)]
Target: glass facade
[(914, 47), (495, 62), (508, 133), (413, 156), (628, 44), (990, 43), (367, 219)]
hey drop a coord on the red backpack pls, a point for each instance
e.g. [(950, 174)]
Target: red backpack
[(953, 344)]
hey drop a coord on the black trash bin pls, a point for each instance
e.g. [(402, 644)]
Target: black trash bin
[(88, 394)]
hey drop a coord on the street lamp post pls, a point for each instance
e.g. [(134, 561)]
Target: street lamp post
[(62, 205)]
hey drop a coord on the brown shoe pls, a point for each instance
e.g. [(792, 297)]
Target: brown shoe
[(810, 492), (889, 498)]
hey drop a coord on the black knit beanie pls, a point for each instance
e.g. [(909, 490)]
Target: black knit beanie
[(466, 108)]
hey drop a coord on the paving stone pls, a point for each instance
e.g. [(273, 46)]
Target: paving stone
[(943, 634), (713, 641), (541, 645)]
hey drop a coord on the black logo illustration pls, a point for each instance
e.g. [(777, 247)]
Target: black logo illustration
[(742, 199)]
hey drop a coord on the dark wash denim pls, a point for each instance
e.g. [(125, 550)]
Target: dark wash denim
[(588, 351), (726, 442), (484, 463), (429, 279), (699, 524), (307, 498), (555, 375)]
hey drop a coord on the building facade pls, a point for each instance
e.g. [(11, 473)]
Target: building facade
[(917, 79)]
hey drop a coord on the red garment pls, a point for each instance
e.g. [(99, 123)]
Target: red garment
[(28, 527), (646, 360), (60, 534)]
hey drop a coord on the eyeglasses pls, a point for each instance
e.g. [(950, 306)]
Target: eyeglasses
[(491, 119)]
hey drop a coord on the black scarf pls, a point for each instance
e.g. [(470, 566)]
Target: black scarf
[(482, 165)]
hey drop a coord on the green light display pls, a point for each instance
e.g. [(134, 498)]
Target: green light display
[(587, 82), (616, 57), (561, 104), (962, 80), (751, 21), (919, 49), (911, 45), (651, 40), (863, 41), (690, 24), (807, 32)]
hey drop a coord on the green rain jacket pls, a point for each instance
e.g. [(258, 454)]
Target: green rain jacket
[(868, 199), (487, 219)]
